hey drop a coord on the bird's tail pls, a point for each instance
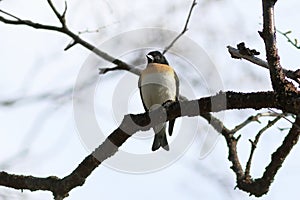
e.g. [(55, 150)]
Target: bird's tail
[(160, 138)]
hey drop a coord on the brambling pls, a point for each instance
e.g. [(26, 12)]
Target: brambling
[(158, 84)]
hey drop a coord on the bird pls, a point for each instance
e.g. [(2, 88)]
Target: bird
[(158, 84)]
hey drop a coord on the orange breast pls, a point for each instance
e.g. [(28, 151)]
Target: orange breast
[(157, 68)]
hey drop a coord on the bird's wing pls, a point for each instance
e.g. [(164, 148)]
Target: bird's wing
[(139, 85), (177, 86), (172, 122)]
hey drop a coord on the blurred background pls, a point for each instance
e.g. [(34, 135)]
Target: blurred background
[(39, 136)]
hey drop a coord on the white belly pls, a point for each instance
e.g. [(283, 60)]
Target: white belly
[(157, 88)]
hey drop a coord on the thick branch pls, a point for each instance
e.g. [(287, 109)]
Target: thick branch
[(281, 153), (141, 122), (28, 182), (280, 85), (132, 124)]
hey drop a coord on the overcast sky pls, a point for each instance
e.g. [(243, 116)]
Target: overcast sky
[(43, 138)]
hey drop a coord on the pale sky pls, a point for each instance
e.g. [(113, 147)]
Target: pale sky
[(42, 138)]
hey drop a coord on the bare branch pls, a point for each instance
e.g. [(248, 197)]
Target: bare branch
[(254, 118), (65, 30), (27, 23), (76, 39), (255, 142), (280, 155), (231, 143), (8, 14), (65, 10), (283, 116), (279, 83), (70, 45), (58, 15), (235, 53), (96, 30), (105, 70), (131, 124), (257, 187), (35, 98), (185, 28), (60, 187)]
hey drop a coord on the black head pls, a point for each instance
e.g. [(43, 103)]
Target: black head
[(156, 57)]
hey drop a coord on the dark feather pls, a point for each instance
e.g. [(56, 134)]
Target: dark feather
[(172, 122), (141, 95), (160, 140)]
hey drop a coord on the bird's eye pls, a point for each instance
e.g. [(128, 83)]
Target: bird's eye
[(150, 57)]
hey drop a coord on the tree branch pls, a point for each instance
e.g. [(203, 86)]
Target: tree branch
[(285, 98), (19, 21), (254, 118), (231, 144), (59, 16), (260, 186), (65, 30), (185, 28), (280, 85), (235, 53), (281, 153), (255, 142), (141, 122), (76, 39)]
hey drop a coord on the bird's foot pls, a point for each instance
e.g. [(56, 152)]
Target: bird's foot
[(167, 103)]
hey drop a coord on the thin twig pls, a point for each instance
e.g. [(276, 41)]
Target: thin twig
[(284, 116), (285, 34), (65, 30), (8, 14), (185, 28), (254, 143), (30, 23), (254, 118), (76, 39), (96, 30), (65, 10), (58, 15)]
